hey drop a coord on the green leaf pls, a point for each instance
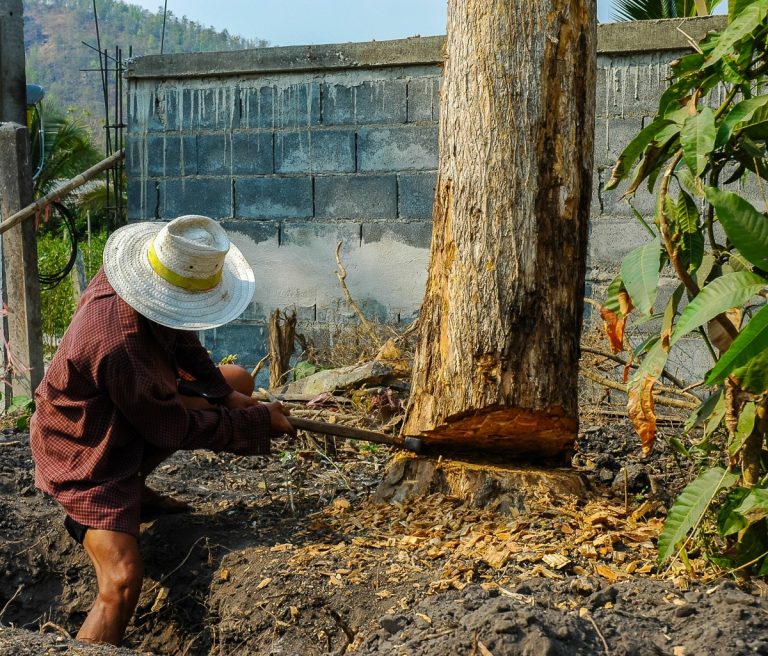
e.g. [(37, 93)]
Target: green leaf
[(702, 412), (679, 447), (633, 150), (612, 295), (751, 341), (749, 19), (687, 64), (729, 521), (652, 365), (691, 183), (755, 505), (735, 7), (690, 506), (686, 213), (692, 251), (698, 139), (723, 293), (645, 345), (753, 376), (741, 112), (705, 268), (743, 429), (745, 226), (640, 273), (712, 423)]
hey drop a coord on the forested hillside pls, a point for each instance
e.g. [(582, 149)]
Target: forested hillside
[(57, 58)]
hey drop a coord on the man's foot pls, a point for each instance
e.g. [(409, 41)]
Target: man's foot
[(154, 504)]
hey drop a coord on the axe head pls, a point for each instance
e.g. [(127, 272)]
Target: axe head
[(414, 444)]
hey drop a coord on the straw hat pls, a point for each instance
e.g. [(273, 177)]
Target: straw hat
[(183, 274)]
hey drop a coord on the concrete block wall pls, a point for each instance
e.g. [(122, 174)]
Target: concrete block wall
[(295, 149), (294, 152)]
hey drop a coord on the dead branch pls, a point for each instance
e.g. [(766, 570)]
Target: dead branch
[(281, 338), (10, 601), (341, 274), (661, 400), (259, 365), (621, 361), (666, 390)]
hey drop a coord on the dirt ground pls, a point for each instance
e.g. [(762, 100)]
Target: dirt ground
[(291, 555)]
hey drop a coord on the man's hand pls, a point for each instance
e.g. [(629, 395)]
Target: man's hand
[(278, 416), (236, 400)]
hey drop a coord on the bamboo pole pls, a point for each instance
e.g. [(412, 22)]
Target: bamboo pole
[(74, 183)]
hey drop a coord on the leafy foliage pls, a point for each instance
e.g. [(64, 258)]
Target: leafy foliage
[(57, 305), (688, 509), (698, 145), (632, 10)]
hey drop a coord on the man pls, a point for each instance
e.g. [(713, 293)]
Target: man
[(130, 384)]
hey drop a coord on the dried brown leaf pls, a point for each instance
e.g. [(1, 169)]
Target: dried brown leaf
[(640, 408), (614, 329)]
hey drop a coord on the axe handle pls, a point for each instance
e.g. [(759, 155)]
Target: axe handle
[(344, 431)]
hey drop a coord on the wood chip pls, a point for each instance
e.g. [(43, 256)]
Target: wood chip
[(162, 595), (264, 583), (483, 649), (555, 561)]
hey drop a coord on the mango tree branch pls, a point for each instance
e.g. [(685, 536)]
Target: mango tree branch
[(674, 257)]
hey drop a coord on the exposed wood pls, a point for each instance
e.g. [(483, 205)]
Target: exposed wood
[(33, 208), (497, 361), (282, 333), (503, 487), (24, 339)]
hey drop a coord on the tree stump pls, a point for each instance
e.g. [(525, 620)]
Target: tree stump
[(503, 487)]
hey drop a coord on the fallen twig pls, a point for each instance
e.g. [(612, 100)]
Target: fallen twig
[(599, 635), (8, 603), (56, 627), (621, 361), (661, 400)]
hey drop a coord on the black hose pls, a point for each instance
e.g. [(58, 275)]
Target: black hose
[(50, 280)]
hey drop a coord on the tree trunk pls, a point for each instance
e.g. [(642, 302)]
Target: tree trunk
[(497, 362)]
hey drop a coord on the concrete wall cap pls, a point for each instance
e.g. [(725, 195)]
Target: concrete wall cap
[(612, 38)]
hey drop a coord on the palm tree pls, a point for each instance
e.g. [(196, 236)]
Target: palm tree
[(67, 149), (632, 10)]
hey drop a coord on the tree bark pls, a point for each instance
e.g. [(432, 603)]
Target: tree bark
[(497, 363)]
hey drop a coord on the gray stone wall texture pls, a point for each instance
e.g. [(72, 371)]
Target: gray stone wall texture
[(295, 149)]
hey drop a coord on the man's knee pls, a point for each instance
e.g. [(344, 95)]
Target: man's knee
[(238, 378)]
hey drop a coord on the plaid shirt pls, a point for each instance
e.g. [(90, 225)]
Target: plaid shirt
[(110, 393)]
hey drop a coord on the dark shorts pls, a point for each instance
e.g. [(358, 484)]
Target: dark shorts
[(75, 529)]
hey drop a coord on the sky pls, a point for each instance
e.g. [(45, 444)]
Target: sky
[(305, 22)]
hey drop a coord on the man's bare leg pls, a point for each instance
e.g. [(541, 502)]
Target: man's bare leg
[(119, 573)]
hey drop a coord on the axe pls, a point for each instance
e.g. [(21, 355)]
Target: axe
[(414, 444)]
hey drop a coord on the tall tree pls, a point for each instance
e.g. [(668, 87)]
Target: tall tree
[(497, 362)]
